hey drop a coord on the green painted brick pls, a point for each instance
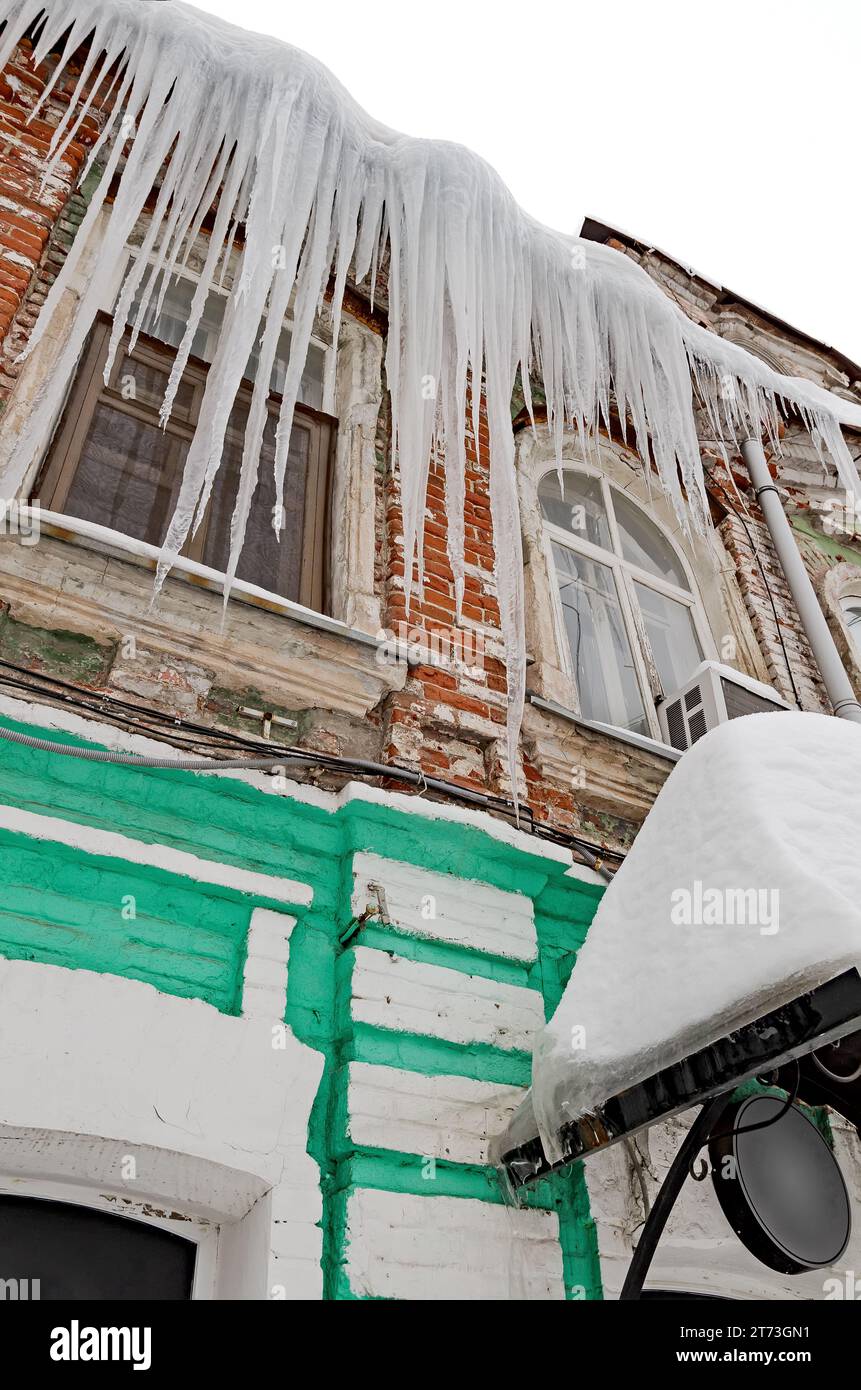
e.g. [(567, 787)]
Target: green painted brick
[(189, 939), (67, 908)]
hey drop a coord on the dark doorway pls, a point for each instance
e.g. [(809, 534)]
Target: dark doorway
[(78, 1253)]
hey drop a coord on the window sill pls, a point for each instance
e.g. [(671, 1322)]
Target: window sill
[(649, 745), (105, 541)]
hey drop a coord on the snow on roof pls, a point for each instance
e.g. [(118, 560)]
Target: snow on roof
[(479, 293), (742, 891)]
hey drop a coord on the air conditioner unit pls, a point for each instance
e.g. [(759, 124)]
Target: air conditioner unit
[(713, 694)]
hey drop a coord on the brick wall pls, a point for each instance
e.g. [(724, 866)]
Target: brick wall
[(449, 718), (409, 1026), (37, 225), (791, 668)]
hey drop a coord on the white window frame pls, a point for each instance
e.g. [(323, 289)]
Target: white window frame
[(625, 574), (203, 1234), (851, 595)]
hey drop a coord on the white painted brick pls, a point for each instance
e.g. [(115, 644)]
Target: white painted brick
[(466, 913), (260, 1001), (297, 1202), (272, 974), (449, 1117), (403, 1246), (296, 1240), (412, 997), (93, 840), (220, 1115), (264, 988), (269, 934), (299, 1279)]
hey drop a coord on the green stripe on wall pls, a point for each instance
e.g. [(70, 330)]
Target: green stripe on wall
[(451, 957), (190, 939), (90, 912), (436, 1056)]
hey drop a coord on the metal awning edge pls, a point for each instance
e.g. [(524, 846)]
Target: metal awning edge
[(811, 1020)]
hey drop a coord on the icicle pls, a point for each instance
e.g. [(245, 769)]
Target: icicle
[(479, 295)]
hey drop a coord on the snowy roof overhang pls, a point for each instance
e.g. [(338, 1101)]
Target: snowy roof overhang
[(728, 941), (595, 230), (480, 294)]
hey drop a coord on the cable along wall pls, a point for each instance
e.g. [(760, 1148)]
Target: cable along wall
[(479, 293)]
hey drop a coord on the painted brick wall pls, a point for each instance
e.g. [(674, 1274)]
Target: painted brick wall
[(424, 1021), (423, 1013), (96, 913)]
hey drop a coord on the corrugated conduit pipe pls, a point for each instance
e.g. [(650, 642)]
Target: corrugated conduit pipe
[(104, 755)]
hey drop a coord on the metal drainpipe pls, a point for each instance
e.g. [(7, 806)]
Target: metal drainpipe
[(837, 684)]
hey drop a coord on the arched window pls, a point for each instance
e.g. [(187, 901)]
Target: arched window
[(626, 603), (63, 1250)]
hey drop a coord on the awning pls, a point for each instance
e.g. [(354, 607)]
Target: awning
[(727, 943)]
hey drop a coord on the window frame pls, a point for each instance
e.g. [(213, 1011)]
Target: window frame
[(850, 597), (88, 391), (625, 575), (203, 1232)]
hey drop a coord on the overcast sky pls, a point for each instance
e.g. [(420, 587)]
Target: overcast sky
[(726, 134)]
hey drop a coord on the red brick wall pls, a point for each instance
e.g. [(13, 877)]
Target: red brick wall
[(447, 720), (36, 226)]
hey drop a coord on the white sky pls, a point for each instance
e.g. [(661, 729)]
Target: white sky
[(726, 134)]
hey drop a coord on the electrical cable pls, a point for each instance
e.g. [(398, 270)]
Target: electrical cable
[(279, 757), (95, 702), (762, 571), (791, 1098), (834, 1076)]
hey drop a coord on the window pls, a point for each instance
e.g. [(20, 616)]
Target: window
[(77, 1252), (850, 608), (112, 463), (625, 602)]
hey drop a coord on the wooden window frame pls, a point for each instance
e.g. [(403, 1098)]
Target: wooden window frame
[(88, 391)]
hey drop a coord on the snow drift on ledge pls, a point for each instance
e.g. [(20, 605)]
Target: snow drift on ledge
[(478, 291), (770, 802)]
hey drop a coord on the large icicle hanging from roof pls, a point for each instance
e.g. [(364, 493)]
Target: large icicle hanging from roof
[(478, 292)]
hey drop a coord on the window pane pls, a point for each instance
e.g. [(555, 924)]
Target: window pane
[(311, 382), (603, 663), (265, 561), (673, 638), (644, 545), (578, 507), (169, 327), (145, 385), (128, 476), (77, 1252)]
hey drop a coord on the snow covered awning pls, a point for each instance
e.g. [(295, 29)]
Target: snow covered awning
[(735, 919)]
